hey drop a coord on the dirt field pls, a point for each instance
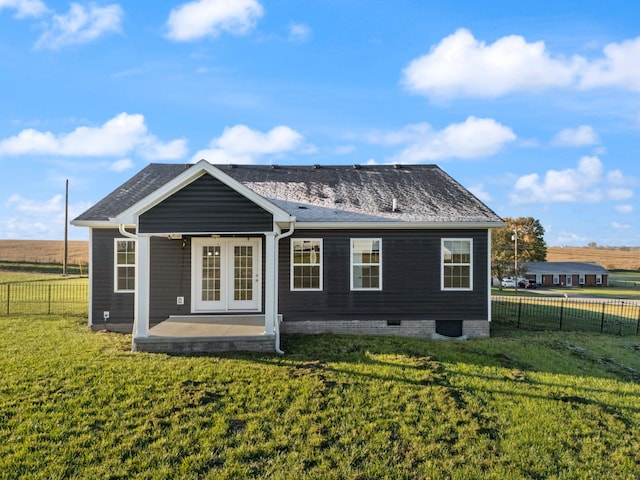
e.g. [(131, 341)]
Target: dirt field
[(621, 258), (43, 251)]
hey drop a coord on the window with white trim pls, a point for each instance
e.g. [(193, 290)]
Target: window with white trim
[(556, 279), (457, 264), (598, 279), (306, 264), (124, 265), (366, 264), (581, 279)]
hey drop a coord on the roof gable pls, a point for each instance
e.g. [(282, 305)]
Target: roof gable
[(130, 215)]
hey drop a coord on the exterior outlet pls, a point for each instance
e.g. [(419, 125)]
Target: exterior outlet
[(179, 300)]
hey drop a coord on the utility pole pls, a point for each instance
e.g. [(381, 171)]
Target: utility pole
[(66, 229)]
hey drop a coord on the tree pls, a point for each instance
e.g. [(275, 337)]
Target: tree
[(531, 245)]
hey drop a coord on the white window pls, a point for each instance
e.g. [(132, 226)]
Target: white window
[(556, 279), (581, 279), (124, 265), (457, 264), (569, 280), (598, 279), (366, 264), (306, 264)]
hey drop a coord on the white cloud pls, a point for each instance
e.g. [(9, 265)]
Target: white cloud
[(620, 185), (25, 8), (582, 184), (480, 192), (81, 25), (460, 65), (619, 193), (582, 136), (619, 67), (299, 32), (626, 208), (121, 165), (569, 238), (21, 204), (620, 226), (207, 18), (118, 136), (28, 218), (241, 144), (473, 138)]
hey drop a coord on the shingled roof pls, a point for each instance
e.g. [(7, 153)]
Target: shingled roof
[(422, 193), (561, 268)]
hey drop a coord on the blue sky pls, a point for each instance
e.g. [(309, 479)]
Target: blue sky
[(533, 106)]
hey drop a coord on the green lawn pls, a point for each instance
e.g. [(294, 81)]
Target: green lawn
[(76, 404), (9, 276)]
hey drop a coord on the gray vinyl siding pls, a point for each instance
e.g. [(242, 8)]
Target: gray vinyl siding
[(206, 205), (411, 280), (170, 274), (119, 305), (171, 278)]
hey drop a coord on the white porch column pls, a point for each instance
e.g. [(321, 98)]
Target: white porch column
[(489, 308), (270, 285), (141, 305)]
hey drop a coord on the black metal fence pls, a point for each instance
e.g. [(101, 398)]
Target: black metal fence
[(617, 317), (43, 298)]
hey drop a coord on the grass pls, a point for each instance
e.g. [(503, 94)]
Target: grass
[(76, 404), (10, 276)]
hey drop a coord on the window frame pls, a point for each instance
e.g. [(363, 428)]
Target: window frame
[(442, 264), (598, 279), (582, 279), (556, 279), (117, 266), (292, 266), (352, 264)]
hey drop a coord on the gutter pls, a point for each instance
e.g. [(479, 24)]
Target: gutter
[(277, 247)]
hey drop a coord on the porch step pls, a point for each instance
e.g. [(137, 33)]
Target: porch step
[(261, 343)]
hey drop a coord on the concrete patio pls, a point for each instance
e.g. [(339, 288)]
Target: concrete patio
[(204, 334)]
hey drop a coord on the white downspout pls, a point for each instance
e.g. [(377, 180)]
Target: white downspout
[(124, 233), (277, 250)]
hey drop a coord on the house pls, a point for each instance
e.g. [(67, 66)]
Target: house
[(566, 274), (384, 249)]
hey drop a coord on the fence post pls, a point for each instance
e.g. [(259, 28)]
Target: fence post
[(519, 310), (602, 319), (49, 301), (8, 297), (561, 312), (638, 322)]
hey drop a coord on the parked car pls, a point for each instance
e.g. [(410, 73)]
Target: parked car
[(508, 283), (532, 284)]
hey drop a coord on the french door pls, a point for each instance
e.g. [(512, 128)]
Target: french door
[(226, 274)]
